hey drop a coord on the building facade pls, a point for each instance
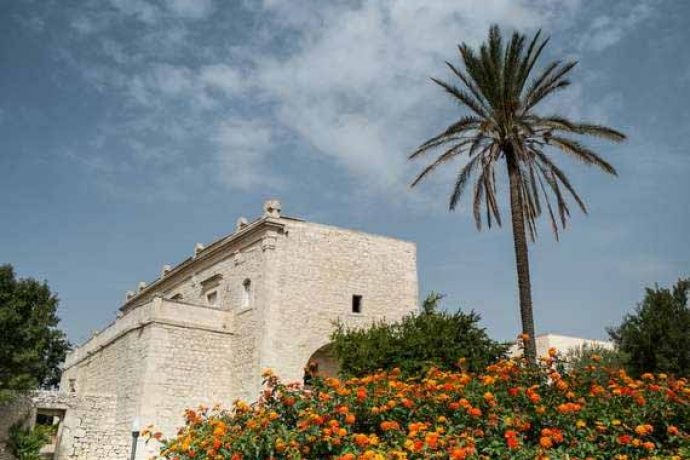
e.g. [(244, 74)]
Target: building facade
[(265, 296), (563, 343)]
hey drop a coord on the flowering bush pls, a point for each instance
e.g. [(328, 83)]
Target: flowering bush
[(511, 411)]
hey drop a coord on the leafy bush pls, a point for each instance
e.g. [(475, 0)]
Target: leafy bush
[(417, 343), (25, 444), (656, 337), (509, 411)]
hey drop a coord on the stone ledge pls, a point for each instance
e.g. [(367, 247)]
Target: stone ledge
[(158, 311)]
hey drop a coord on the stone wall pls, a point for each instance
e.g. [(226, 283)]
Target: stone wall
[(17, 409), (318, 269), (88, 430), (152, 363)]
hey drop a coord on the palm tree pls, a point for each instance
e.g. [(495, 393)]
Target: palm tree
[(501, 124)]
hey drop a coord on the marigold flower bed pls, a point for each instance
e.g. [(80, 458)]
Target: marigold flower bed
[(510, 411)]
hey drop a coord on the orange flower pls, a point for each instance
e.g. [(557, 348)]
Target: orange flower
[(624, 439), (511, 437), (475, 412), (644, 430), (545, 442), (362, 440)]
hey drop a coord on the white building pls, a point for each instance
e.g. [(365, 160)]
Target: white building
[(265, 296)]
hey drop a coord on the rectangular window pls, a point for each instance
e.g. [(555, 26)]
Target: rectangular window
[(212, 298), (356, 304)]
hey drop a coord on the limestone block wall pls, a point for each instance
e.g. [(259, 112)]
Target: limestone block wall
[(88, 430), (113, 365), (145, 363), (190, 368), (317, 269)]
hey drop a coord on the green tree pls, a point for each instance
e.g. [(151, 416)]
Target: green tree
[(656, 337), (432, 338), (32, 345), (501, 93)]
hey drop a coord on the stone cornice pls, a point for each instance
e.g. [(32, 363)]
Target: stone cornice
[(246, 236)]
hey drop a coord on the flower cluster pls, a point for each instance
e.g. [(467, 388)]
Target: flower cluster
[(512, 410)]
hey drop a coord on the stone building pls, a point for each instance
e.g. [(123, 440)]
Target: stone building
[(265, 296)]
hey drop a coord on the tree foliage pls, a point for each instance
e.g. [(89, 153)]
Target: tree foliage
[(418, 342), (33, 347), (656, 337)]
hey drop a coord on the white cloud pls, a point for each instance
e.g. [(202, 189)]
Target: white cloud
[(357, 85), (242, 149), (605, 31), (349, 80)]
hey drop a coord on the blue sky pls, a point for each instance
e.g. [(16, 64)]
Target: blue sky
[(131, 129)]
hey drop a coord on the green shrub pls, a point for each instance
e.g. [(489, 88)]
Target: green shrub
[(25, 444), (417, 343)]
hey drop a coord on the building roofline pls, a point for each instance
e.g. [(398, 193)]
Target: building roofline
[(204, 254)]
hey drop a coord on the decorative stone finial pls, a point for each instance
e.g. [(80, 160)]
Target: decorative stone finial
[(198, 248), (241, 223), (272, 208), (142, 285), (165, 270), (129, 295)]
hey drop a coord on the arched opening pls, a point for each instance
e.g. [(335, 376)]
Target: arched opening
[(321, 363)]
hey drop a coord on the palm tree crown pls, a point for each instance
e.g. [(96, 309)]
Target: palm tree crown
[(503, 124), (501, 97)]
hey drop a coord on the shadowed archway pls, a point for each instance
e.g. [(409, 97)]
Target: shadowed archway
[(322, 363)]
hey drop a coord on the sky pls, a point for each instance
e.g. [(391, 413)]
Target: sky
[(132, 129)]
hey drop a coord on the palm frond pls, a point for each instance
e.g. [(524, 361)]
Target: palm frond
[(471, 85), (554, 223), (548, 163), (477, 197), (444, 157), (581, 152), (463, 176), (465, 98), (552, 83), (533, 53), (450, 134), (601, 131)]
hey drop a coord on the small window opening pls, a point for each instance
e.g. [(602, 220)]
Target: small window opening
[(246, 293), (212, 298), (356, 304), (72, 385)]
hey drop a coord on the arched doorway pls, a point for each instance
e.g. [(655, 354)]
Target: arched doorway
[(322, 363)]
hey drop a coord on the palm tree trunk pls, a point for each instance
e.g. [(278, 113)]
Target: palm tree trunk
[(521, 256)]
